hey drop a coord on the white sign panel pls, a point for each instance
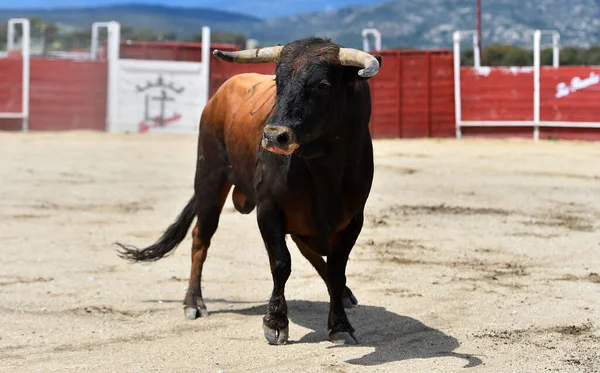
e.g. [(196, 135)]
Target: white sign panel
[(160, 96)]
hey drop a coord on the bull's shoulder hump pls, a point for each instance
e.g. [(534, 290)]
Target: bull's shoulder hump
[(247, 80)]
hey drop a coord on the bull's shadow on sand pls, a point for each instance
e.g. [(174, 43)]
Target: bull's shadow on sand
[(394, 337)]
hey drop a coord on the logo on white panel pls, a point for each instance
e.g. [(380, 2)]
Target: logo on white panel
[(158, 94), (562, 89)]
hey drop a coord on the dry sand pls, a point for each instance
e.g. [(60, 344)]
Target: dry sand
[(476, 256)]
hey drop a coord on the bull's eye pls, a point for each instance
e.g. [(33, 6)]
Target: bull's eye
[(323, 85)]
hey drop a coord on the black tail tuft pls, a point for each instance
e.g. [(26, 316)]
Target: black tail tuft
[(167, 242)]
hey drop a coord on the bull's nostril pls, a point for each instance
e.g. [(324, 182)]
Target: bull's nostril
[(283, 139)]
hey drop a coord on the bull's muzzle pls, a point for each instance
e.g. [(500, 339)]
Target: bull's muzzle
[(279, 140)]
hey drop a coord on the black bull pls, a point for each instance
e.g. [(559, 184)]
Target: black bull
[(296, 147)]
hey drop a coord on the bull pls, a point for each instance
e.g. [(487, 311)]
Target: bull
[(296, 146)]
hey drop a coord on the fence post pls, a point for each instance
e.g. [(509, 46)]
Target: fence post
[(555, 49), (536, 84), (457, 107), (26, 70), (476, 52), (114, 45), (26, 73), (95, 37), (206, 60)]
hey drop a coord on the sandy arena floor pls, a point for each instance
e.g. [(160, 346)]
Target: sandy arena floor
[(477, 256)]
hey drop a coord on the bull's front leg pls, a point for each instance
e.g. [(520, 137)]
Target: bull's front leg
[(271, 224), (340, 329)]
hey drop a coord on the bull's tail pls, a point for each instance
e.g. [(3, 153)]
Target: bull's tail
[(167, 242)]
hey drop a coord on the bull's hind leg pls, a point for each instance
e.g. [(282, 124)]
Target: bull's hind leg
[(320, 265), (211, 192)]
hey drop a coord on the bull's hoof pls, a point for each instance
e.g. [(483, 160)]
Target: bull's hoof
[(349, 299), (192, 313), (275, 336), (343, 338)]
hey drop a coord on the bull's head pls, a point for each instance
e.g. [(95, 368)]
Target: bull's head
[(312, 78)]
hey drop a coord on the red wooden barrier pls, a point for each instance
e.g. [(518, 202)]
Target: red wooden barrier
[(570, 94), (497, 94), (506, 94), (413, 95), (441, 93), (64, 94), (386, 94), (11, 71), (68, 94), (10, 85)]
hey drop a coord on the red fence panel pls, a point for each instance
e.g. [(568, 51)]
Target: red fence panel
[(567, 94), (496, 94), (570, 94), (68, 94), (11, 75), (441, 91), (413, 95), (415, 80), (386, 90)]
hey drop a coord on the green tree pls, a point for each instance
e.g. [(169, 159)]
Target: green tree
[(467, 57), (78, 39), (493, 55), (168, 36), (546, 57), (517, 57), (592, 56), (572, 56), (3, 35)]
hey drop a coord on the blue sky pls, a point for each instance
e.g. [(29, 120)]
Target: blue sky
[(259, 8)]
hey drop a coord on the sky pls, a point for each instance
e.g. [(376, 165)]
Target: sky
[(258, 8)]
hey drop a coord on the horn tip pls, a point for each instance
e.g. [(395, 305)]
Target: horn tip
[(368, 72), (223, 55)]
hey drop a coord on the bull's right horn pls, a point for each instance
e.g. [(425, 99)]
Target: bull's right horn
[(259, 55)]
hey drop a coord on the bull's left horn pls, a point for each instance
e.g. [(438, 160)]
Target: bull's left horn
[(259, 55), (357, 58)]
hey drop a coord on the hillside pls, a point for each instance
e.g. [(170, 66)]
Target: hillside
[(271, 9), (183, 21), (430, 23), (419, 24)]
